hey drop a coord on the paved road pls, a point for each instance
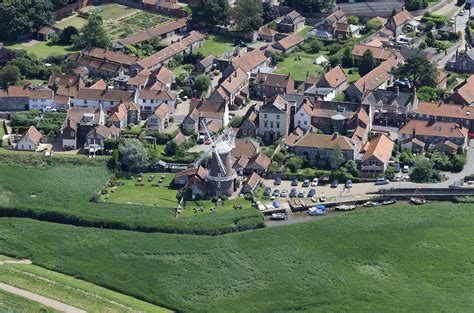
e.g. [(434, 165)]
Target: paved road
[(40, 299)]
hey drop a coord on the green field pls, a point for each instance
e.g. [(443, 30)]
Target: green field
[(11, 303), (111, 11), (216, 45), (352, 78), (303, 32), (299, 68), (70, 290), (393, 259), (62, 192)]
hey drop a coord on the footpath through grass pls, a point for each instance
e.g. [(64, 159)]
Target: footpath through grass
[(11, 303), (394, 259), (69, 290)]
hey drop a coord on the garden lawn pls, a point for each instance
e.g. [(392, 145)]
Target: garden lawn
[(75, 21), (207, 205), (352, 78), (132, 192), (216, 45), (69, 290), (44, 49), (299, 69), (2, 130), (11, 303), (303, 32), (111, 11), (402, 258)]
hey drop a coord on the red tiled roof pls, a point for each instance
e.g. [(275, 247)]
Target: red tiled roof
[(434, 128), (33, 134), (381, 147)]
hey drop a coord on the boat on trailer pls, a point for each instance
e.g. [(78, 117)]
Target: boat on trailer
[(279, 216)]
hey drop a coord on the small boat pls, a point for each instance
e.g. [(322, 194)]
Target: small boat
[(389, 201), (323, 198), (317, 212), (345, 207), (369, 204), (279, 216), (417, 201)]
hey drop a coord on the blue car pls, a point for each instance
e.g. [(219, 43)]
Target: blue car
[(276, 204), (293, 193), (311, 192), (267, 192)]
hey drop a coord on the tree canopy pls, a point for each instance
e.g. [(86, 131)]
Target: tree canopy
[(133, 155), (208, 13), (367, 63), (419, 71), (20, 17), (92, 34), (9, 74), (247, 15)]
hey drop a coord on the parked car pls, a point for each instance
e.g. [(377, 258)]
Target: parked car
[(334, 183), (201, 139), (294, 182), (462, 13), (284, 193), (311, 192), (276, 204), (276, 193), (208, 141), (348, 184), (293, 193), (323, 198), (306, 183), (382, 181), (315, 182), (301, 194), (277, 181), (405, 169), (267, 192)]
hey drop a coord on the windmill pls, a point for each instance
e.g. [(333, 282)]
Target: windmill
[(220, 176)]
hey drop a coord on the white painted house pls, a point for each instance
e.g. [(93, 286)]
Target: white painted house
[(30, 140), (41, 99), (303, 115), (108, 98)]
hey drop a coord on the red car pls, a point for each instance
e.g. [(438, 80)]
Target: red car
[(208, 141)]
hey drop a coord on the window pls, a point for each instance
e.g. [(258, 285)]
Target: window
[(85, 101), (265, 124), (278, 125), (278, 117), (111, 103), (301, 114), (264, 116), (271, 124), (305, 122)]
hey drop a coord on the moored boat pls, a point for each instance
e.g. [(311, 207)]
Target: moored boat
[(279, 216)]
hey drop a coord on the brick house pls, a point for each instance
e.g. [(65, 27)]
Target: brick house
[(377, 153), (269, 85), (464, 93), (291, 22)]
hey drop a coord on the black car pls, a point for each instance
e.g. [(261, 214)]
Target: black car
[(277, 181), (293, 193), (334, 183), (311, 192), (240, 43), (294, 182), (276, 193), (267, 192), (348, 184)]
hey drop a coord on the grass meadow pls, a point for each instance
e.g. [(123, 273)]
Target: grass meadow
[(69, 290), (393, 259), (62, 193), (11, 303)]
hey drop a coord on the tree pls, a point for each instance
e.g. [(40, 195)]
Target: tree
[(367, 63), (337, 158), (374, 24), (273, 168), (278, 157), (207, 13), (389, 173), (429, 26), (353, 20), (457, 162), (419, 71), (406, 157), (9, 74), (351, 167), (247, 15), (270, 12), (427, 93), (67, 34), (236, 121), (201, 84), (341, 174), (315, 45), (413, 5), (19, 17), (133, 155), (347, 57), (294, 164), (92, 34), (311, 5), (423, 172)]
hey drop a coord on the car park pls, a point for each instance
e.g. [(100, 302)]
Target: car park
[(301, 194), (267, 192), (311, 192), (294, 182), (293, 193), (315, 182), (276, 193), (306, 183), (284, 193), (277, 181), (334, 183)]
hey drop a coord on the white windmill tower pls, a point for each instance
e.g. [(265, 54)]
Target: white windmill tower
[(220, 176)]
